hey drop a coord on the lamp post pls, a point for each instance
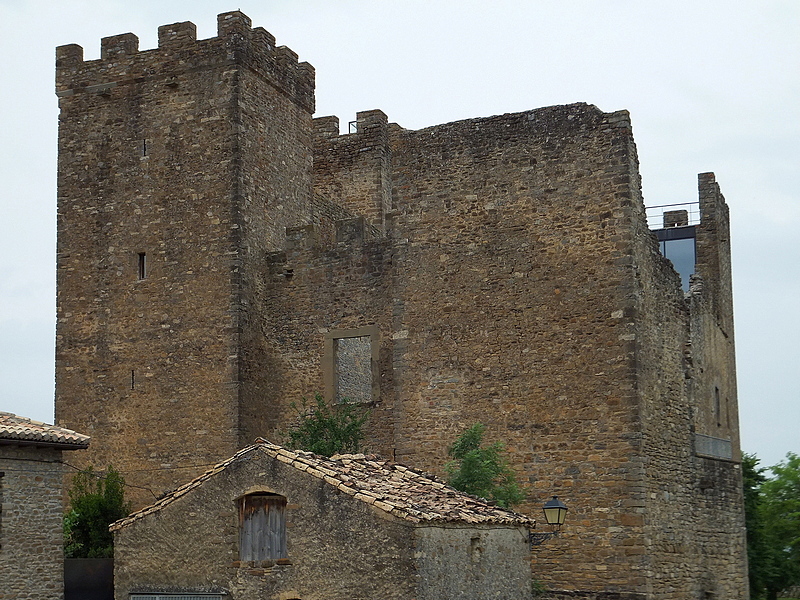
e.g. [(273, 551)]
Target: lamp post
[(555, 511)]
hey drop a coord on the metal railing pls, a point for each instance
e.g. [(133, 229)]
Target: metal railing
[(655, 214)]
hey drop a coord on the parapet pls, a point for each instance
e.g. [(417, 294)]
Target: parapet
[(369, 125), (178, 51)]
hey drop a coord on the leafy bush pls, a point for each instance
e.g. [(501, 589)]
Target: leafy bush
[(96, 500), (482, 471), (538, 589), (327, 429)]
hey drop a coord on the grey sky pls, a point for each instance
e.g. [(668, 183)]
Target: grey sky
[(711, 86)]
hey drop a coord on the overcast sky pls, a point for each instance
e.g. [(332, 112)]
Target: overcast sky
[(711, 86)]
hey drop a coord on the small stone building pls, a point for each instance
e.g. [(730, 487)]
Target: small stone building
[(271, 523), (31, 476)]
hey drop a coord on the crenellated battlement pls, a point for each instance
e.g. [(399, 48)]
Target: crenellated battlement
[(179, 51), (369, 126), (366, 151)]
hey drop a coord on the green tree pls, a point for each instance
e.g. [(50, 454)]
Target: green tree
[(328, 429), (757, 550), (482, 471), (772, 513), (96, 501), (780, 518)]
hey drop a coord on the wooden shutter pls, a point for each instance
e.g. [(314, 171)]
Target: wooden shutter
[(262, 532)]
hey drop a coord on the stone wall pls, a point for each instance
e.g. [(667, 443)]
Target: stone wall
[(354, 170), (333, 540), (177, 155), (472, 562), (485, 313), (337, 546), (690, 506), (503, 266), (31, 528)]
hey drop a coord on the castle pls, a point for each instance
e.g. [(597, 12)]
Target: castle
[(222, 253)]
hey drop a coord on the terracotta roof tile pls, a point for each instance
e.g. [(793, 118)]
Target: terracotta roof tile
[(16, 429), (396, 489)]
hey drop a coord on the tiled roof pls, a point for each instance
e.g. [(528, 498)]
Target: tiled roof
[(401, 491), (16, 429)]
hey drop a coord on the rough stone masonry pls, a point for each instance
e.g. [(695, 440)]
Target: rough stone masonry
[(222, 254)]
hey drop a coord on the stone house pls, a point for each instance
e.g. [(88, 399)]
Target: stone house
[(223, 253), (272, 523), (31, 509)]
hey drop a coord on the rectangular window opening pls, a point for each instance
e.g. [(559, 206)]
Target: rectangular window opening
[(717, 407), (142, 265), (351, 364), (678, 245), (352, 360), (262, 527)]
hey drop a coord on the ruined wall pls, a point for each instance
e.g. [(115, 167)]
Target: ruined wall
[(690, 507), (338, 547), (31, 524), (311, 291), (667, 471), (720, 538), (158, 226), (354, 170), (712, 329)]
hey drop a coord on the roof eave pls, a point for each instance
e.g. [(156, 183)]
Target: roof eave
[(44, 444)]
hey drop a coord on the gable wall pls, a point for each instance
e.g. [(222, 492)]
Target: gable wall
[(335, 543)]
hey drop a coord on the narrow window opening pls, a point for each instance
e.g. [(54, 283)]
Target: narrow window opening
[(717, 407), (262, 527), (133, 379), (142, 265), (145, 148)]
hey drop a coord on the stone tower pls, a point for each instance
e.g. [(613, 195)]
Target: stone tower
[(179, 167), (222, 254)]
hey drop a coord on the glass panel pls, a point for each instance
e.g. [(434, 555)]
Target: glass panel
[(682, 255)]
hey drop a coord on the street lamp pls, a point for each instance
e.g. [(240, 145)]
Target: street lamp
[(555, 511)]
